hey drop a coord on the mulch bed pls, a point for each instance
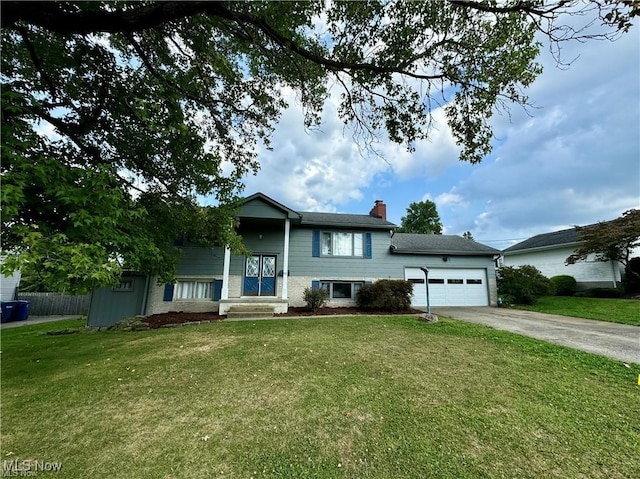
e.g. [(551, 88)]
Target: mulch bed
[(158, 320)]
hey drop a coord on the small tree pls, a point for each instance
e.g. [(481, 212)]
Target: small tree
[(422, 217), (315, 298), (522, 285), (610, 241)]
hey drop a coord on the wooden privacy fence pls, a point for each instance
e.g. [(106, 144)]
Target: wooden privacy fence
[(46, 304)]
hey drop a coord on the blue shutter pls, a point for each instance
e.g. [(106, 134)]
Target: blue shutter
[(168, 292), (367, 246), (315, 244), (315, 284), (217, 290)]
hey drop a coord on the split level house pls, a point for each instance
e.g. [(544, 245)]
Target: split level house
[(292, 251)]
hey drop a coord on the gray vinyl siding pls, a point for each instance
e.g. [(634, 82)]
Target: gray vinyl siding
[(209, 261), (302, 263), (200, 261), (272, 242), (258, 209), (383, 264)]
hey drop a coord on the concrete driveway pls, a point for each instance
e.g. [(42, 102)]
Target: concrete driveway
[(616, 341)]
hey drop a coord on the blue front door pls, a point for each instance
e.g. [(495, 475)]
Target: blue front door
[(260, 275)]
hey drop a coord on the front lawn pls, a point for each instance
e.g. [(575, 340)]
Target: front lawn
[(625, 311), (357, 397)]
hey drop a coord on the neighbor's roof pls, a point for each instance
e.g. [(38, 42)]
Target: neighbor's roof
[(410, 243), (345, 220), (557, 238)]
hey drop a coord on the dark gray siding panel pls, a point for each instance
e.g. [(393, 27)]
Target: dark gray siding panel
[(108, 306)]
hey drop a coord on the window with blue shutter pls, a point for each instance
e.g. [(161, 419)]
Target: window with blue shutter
[(168, 292), (217, 290), (368, 250), (315, 244)]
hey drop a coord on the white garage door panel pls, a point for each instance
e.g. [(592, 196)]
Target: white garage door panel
[(449, 287)]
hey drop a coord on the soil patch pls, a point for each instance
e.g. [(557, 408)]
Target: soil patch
[(158, 320)]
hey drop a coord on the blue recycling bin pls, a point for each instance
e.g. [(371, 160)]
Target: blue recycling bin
[(8, 308), (21, 310)]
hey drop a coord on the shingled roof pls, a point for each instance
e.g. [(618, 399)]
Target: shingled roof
[(410, 243), (557, 238), (341, 220)]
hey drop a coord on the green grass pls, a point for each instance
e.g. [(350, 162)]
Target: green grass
[(358, 397), (625, 311)]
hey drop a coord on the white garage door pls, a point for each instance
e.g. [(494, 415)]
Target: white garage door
[(449, 287)]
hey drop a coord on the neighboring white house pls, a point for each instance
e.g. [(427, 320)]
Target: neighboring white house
[(549, 251), (9, 285)]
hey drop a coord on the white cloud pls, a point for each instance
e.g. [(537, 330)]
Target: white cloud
[(573, 159)]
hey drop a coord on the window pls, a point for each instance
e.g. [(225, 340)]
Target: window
[(197, 289), (436, 281), (341, 289), (455, 281), (416, 280), (474, 281), (126, 285), (339, 243)]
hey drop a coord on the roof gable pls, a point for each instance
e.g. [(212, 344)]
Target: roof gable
[(412, 243), (260, 205)]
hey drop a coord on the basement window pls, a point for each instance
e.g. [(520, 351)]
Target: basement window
[(341, 289)]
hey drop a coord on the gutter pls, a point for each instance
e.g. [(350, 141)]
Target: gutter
[(540, 248), (394, 249)]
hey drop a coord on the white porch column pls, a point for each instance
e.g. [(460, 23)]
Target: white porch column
[(224, 294), (285, 265)]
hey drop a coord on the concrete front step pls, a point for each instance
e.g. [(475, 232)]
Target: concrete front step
[(250, 311)]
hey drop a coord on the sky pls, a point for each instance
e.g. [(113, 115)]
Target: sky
[(573, 159)]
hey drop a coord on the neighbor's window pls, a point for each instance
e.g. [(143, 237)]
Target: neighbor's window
[(193, 290), (341, 289), (339, 243)]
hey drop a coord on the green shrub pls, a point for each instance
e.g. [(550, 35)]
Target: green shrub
[(523, 285), (606, 292), (315, 298), (386, 295), (563, 285)]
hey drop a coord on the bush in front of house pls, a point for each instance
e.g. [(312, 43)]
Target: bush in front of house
[(315, 298), (386, 295), (523, 284), (563, 285), (601, 293)]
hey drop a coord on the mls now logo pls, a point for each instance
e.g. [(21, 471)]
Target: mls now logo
[(28, 467)]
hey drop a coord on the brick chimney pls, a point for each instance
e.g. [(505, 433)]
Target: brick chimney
[(379, 210)]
